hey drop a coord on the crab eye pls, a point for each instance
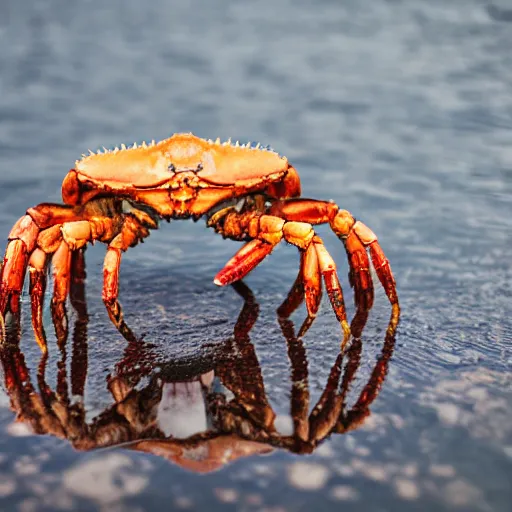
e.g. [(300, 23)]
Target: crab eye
[(199, 167), (171, 168)]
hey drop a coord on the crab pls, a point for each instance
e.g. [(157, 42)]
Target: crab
[(246, 192)]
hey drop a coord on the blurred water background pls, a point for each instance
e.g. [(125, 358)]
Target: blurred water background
[(401, 112)]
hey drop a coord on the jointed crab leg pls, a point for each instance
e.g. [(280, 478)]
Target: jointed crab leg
[(356, 236), (37, 272), (21, 243), (308, 285), (40, 228), (268, 230), (61, 266), (54, 233), (132, 231)]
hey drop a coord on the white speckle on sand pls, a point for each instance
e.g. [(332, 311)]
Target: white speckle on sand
[(308, 476), (284, 424), (107, 478), (226, 495), (325, 450), (254, 500), (373, 471), (410, 470), (183, 502), (28, 505), (344, 493), (7, 486), (460, 493), (448, 413), (362, 451), (442, 470), (345, 470), (478, 393), (263, 470), (25, 466), (19, 430), (397, 421), (406, 489)]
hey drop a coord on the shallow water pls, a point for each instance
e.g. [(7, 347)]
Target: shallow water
[(399, 111)]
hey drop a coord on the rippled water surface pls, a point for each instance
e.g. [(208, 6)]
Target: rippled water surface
[(401, 112)]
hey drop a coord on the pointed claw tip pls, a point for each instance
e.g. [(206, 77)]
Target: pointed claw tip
[(218, 281)]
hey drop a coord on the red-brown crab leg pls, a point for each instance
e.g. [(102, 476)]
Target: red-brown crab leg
[(356, 236), (38, 228), (53, 233), (21, 242), (132, 232), (308, 285), (267, 231), (61, 266), (37, 268)]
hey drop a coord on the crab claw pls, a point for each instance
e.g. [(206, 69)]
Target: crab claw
[(247, 258)]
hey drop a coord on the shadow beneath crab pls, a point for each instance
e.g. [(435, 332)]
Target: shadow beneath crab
[(201, 414)]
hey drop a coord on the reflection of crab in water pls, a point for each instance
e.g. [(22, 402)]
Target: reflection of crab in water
[(199, 416), (247, 193)]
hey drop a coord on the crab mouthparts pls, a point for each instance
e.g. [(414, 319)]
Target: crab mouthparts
[(235, 204)]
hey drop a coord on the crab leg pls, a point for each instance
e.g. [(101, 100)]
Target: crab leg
[(54, 233), (21, 242), (40, 227), (333, 287), (38, 264), (61, 263), (308, 285), (266, 232), (356, 236), (58, 244), (132, 232)]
